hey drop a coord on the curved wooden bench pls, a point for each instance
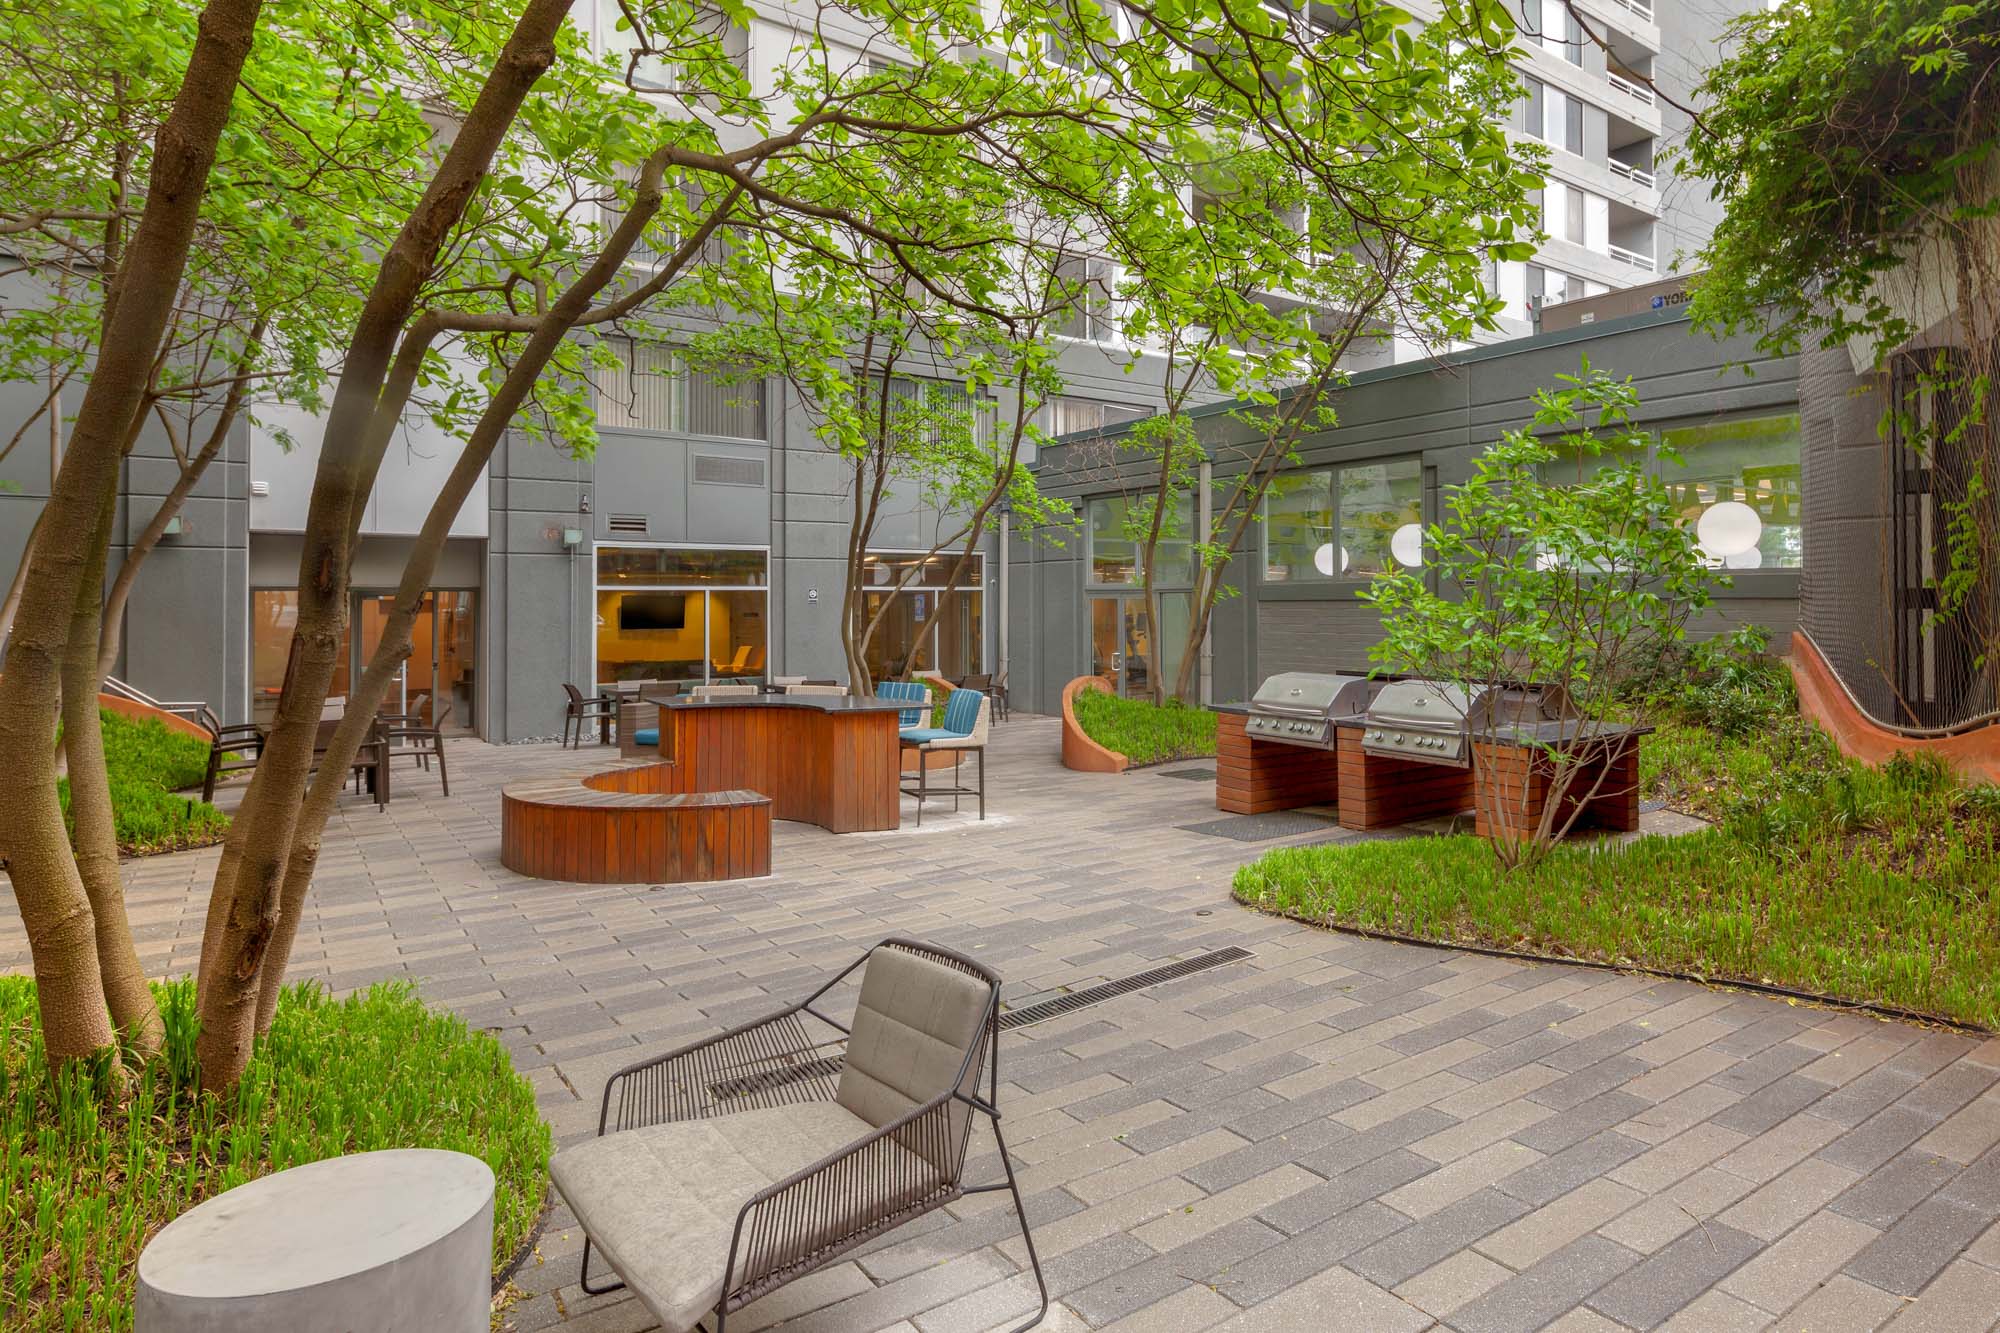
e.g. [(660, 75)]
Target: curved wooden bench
[(621, 826)]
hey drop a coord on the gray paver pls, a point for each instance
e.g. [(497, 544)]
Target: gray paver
[(1681, 1126)]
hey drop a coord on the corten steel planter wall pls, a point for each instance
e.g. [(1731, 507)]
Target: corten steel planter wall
[(139, 712), (1079, 752), (1975, 754)]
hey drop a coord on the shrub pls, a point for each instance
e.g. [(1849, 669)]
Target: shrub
[(87, 1176), (146, 763), (1145, 732)]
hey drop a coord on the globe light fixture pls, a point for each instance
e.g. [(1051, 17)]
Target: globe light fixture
[(1750, 559), (1323, 559), (1407, 544), (1727, 529)]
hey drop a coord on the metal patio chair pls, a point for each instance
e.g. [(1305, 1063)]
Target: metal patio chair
[(579, 710), (730, 1167)]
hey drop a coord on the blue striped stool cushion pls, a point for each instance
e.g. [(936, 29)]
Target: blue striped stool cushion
[(646, 736), (961, 711)]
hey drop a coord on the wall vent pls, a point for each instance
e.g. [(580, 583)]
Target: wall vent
[(626, 525), (726, 470)]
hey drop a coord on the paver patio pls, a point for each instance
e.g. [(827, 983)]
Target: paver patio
[(1334, 1134)]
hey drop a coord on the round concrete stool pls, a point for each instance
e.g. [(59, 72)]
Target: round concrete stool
[(389, 1241)]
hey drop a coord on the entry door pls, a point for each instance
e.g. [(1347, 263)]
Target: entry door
[(1118, 643), (436, 679)]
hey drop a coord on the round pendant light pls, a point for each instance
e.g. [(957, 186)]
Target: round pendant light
[(1729, 528)]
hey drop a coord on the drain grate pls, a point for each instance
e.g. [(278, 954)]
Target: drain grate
[(1191, 774), (1081, 999), (1262, 828)]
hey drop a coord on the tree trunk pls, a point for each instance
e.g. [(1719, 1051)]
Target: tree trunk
[(130, 999), (394, 645), (243, 911), (33, 841)]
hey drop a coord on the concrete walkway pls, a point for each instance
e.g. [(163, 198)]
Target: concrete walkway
[(1334, 1134)]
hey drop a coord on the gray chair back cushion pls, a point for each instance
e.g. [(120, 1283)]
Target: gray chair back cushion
[(912, 1027)]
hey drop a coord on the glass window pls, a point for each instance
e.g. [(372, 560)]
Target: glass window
[(1752, 464), (1118, 525), (955, 644), (1340, 523), (652, 388), (274, 614), (1064, 415), (680, 615), (936, 411), (1299, 545), (658, 565), (882, 568), (1377, 500), (1090, 285), (1554, 116)]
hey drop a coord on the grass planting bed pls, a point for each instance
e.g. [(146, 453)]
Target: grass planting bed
[(147, 764), (86, 1178), (1820, 874), (1145, 732)]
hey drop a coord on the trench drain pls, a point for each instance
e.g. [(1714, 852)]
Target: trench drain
[(1089, 995), (829, 1066)]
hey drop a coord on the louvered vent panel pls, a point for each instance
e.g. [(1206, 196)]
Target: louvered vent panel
[(626, 525), (724, 470)]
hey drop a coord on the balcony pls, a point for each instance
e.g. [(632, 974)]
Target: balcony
[(1631, 258), (1640, 8), (1637, 175), (1636, 91)]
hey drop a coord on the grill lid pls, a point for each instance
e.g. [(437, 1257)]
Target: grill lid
[(1308, 694), (1423, 704)]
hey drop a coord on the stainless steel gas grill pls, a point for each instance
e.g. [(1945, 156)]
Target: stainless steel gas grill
[(1434, 723), (1300, 707)]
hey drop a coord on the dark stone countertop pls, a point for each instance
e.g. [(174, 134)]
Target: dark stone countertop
[(824, 703)]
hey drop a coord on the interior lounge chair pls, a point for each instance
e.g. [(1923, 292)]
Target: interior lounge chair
[(728, 1168), (966, 714)]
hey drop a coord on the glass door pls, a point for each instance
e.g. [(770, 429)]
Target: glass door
[(1119, 639), (435, 681)]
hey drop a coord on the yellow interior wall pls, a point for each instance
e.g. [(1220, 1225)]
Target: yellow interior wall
[(650, 645)]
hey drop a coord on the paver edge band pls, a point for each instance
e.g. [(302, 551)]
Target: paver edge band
[(1877, 1008)]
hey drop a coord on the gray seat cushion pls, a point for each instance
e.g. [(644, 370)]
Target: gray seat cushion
[(913, 1025), (661, 1202)]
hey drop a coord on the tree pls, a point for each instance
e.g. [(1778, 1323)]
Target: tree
[(1853, 148), (1561, 561), (71, 921), (1293, 248), (925, 387)]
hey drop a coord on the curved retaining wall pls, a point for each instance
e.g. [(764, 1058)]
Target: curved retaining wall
[(1975, 754), (1078, 750)]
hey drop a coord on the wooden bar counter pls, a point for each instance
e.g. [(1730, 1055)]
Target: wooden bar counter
[(830, 760)]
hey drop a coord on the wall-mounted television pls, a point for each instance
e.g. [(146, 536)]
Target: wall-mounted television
[(652, 610)]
